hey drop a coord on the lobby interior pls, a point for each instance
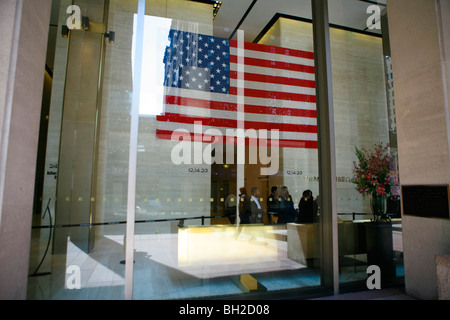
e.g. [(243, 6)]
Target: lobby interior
[(65, 205)]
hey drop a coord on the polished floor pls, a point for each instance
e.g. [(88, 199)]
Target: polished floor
[(165, 270)]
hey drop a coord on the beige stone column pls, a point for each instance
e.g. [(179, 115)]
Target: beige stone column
[(420, 45), (24, 30)]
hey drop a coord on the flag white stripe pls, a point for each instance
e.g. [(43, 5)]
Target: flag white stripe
[(275, 87)]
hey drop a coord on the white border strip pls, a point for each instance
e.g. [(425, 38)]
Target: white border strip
[(132, 164)]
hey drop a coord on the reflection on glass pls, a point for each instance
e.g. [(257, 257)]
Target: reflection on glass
[(365, 120), (227, 178), (155, 42), (77, 275), (86, 153), (237, 119)]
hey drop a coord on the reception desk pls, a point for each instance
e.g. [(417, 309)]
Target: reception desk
[(226, 244)]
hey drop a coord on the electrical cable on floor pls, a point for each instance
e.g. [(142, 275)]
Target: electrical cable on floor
[(35, 274)]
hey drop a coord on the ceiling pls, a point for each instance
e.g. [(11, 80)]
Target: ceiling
[(252, 16)]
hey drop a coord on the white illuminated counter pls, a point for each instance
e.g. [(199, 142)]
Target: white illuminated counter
[(226, 244)]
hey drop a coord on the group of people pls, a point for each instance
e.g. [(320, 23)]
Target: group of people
[(280, 207)]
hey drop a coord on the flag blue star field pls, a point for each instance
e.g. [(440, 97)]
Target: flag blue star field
[(201, 86), (197, 62)]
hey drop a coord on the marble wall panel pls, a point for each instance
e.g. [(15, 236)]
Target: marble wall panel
[(25, 63), (419, 45)]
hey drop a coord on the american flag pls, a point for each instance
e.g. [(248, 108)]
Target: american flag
[(201, 85)]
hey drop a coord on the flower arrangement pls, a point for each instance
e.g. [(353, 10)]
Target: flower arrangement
[(371, 171)]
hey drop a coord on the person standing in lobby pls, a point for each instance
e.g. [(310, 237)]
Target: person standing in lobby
[(273, 204), (307, 208), (257, 212), (287, 211)]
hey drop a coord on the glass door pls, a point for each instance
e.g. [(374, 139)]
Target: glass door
[(227, 185)]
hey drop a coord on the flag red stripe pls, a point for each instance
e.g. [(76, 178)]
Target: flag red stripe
[(272, 49), (226, 106), (274, 64), (167, 135), (265, 94), (231, 123), (275, 79)]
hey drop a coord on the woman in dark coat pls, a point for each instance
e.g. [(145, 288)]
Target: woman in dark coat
[(307, 208)]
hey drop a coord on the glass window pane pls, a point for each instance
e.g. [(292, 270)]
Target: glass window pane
[(366, 146), (85, 181), (227, 109)]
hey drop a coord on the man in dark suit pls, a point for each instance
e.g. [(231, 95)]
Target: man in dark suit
[(257, 212), (273, 204)]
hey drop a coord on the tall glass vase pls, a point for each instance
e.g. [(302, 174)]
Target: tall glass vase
[(378, 206)]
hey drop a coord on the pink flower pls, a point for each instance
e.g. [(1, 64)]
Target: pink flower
[(381, 190), (372, 170)]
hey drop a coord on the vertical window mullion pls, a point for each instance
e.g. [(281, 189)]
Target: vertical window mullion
[(327, 154)]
